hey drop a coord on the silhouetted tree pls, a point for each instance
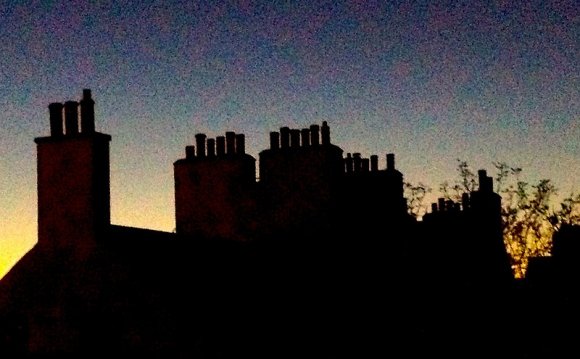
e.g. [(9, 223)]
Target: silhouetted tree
[(529, 218), (415, 195)]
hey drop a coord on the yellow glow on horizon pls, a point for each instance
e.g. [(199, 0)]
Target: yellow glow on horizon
[(12, 249)]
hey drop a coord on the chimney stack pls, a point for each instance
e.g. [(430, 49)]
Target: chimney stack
[(314, 135), (325, 133), (87, 112), (200, 143), (230, 143), (390, 161), (240, 144), (71, 117), (210, 147), (305, 137), (220, 146), (55, 111), (284, 137), (433, 207), (274, 140)]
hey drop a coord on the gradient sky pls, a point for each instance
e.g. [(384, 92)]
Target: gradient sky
[(431, 83)]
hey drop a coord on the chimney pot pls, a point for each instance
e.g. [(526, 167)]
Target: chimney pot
[(87, 112), (305, 137), (325, 133), (481, 174), (314, 135), (230, 143), (210, 147), (71, 117), (200, 143), (55, 112), (240, 144), (190, 152), (357, 162), (349, 164), (294, 138), (390, 161), (441, 204), (374, 163), (220, 146), (274, 140), (365, 164), (284, 137)]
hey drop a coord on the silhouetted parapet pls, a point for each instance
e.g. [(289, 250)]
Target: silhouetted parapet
[(200, 144), (220, 146), (284, 137), (71, 117), (87, 112), (190, 152), (240, 144), (230, 143), (305, 137), (210, 147), (55, 111), (274, 140), (349, 163), (314, 135), (325, 130), (374, 163)]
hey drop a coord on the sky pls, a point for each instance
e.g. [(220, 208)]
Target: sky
[(432, 82)]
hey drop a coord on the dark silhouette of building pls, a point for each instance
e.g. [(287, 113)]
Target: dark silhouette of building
[(317, 257)]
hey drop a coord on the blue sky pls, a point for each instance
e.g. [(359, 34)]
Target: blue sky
[(477, 80)]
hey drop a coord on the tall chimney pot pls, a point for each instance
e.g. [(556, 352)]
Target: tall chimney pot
[(230, 143), (274, 140), (220, 146), (190, 152), (390, 161), (284, 137), (374, 163), (305, 136), (240, 144), (210, 147), (55, 112), (87, 112), (294, 138), (325, 133), (71, 117), (200, 143), (314, 135)]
